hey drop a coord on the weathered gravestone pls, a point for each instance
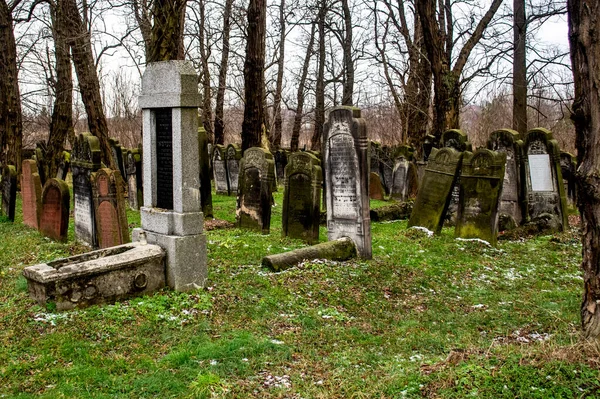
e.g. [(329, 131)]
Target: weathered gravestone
[(31, 192), (481, 179), (109, 208), (347, 173), (257, 175), (205, 188), (511, 204), (117, 154), (375, 158), (133, 167), (233, 156), (568, 168), (56, 201), (302, 197), (9, 191), (458, 140), (425, 152), (85, 159), (281, 159), (63, 165), (172, 214), (220, 170), (435, 189), (376, 189), (545, 191), (386, 160), (405, 182)]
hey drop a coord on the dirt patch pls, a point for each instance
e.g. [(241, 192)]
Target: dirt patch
[(213, 224)]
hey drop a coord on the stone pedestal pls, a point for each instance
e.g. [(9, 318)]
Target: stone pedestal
[(171, 215)]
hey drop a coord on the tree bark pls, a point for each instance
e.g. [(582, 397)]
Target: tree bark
[(167, 31), (61, 123), (584, 37), (278, 123), (87, 76), (205, 76), (520, 69), (315, 142), (301, 91), (11, 125), (254, 80), (219, 123), (348, 61)]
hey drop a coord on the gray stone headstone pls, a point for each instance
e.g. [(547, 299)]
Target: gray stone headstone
[(85, 159), (281, 160), (482, 176), (302, 197), (543, 177), (133, 168), (405, 183), (511, 204), (458, 140), (233, 157), (169, 103), (63, 166), (568, 168), (435, 189), (220, 170), (345, 158), (254, 199)]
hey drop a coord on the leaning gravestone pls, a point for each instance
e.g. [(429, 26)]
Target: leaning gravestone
[(233, 157), (511, 204), (347, 174), (172, 214), (568, 169), (426, 151), (458, 140), (109, 208), (31, 192), (302, 197), (85, 159), (405, 182), (435, 190), (9, 191), (257, 175), (220, 170), (205, 187), (545, 190), (56, 200), (482, 176), (117, 154), (133, 168)]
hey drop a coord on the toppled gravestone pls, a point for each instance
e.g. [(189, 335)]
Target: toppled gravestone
[(102, 276)]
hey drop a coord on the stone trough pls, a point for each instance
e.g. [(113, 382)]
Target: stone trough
[(102, 276)]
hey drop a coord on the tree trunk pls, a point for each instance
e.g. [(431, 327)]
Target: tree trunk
[(519, 69), (11, 126), (278, 123), (167, 31), (584, 35), (89, 86), (219, 124), (61, 123), (315, 142), (348, 90), (205, 77), (301, 92), (142, 13), (254, 80)]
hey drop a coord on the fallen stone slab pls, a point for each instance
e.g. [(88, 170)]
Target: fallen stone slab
[(102, 276), (398, 211), (341, 249)]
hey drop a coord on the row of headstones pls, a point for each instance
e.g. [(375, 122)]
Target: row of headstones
[(393, 172), (517, 181), (346, 173)]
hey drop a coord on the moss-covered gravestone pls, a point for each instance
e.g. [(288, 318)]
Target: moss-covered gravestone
[(347, 178), (9, 191), (435, 190), (387, 168), (281, 160), (117, 154), (511, 204), (233, 157), (405, 181), (481, 179), (220, 170), (257, 175), (204, 159), (458, 140), (56, 201), (85, 159), (302, 197), (109, 208), (31, 192), (545, 190)]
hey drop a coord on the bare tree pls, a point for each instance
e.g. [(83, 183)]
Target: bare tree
[(315, 142), (167, 30), (223, 65), (520, 68), (278, 123)]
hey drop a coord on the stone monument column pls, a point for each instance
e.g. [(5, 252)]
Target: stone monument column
[(171, 215)]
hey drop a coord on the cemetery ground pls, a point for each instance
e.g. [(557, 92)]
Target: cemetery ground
[(427, 317)]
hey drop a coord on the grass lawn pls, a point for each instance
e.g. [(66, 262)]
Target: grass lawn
[(427, 317)]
